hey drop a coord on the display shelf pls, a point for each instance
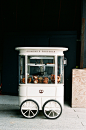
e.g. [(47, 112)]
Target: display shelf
[(41, 83), (50, 65), (32, 64), (41, 57)]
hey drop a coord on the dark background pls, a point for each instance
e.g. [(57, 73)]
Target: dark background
[(38, 23), (40, 15)]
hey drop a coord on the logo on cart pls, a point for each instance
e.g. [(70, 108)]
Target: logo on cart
[(41, 91)]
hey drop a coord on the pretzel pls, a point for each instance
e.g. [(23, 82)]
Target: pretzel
[(58, 79), (23, 80)]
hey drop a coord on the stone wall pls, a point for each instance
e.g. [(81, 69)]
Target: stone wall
[(79, 88)]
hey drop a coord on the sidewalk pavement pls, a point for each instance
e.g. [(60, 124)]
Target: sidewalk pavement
[(11, 118)]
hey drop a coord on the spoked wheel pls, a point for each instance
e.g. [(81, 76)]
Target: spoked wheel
[(29, 109), (52, 109)]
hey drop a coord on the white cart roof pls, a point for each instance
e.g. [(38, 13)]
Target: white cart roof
[(44, 48), (41, 50)]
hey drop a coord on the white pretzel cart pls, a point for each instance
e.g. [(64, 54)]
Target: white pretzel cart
[(41, 81)]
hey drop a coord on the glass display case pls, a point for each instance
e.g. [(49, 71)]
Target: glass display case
[(40, 69)]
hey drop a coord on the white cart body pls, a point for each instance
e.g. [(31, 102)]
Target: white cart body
[(42, 92)]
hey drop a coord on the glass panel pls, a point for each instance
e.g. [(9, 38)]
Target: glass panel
[(22, 70), (40, 69), (60, 69)]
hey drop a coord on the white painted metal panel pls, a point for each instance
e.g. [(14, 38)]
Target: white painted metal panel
[(40, 91), (59, 90), (37, 99), (22, 91), (61, 101), (45, 99), (21, 99)]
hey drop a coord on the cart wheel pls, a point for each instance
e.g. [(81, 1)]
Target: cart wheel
[(52, 109), (29, 108)]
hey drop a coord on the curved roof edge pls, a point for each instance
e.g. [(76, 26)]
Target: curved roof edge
[(36, 48)]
